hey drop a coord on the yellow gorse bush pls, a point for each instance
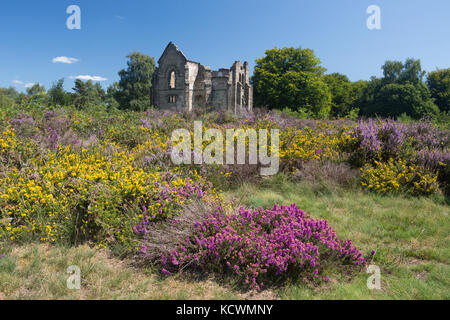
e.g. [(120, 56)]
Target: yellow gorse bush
[(7, 140), (397, 175), (99, 189), (299, 146)]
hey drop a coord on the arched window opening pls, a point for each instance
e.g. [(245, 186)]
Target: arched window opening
[(172, 80)]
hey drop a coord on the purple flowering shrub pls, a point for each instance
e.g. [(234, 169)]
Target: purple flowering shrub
[(432, 151), (48, 131), (385, 139), (24, 125), (419, 143), (426, 135), (378, 140), (265, 245)]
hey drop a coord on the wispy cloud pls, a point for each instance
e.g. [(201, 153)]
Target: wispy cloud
[(63, 59), (119, 17), (88, 77), (18, 83)]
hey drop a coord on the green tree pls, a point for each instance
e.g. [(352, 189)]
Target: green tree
[(400, 91), (408, 72), (57, 95), (13, 94), (392, 70), (292, 78), (111, 93), (439, 84), (38, 94), (5, 99), (358, 88), (395, 99), (135, 82), (342, 95), (35, 89), (87, 94)]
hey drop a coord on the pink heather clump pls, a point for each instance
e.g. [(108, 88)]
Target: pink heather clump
[(264, 244)]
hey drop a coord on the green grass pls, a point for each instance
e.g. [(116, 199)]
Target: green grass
[(411, 237)]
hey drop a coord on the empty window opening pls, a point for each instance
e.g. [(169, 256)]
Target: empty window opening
[(172, 80)]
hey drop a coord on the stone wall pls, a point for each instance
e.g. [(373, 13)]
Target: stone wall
[(196, 86)]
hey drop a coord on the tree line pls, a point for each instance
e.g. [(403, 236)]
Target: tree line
[(293, 79), (288, 79), (131, 92)]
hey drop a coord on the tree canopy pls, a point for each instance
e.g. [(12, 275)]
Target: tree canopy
[(439, 84), (36, 89), (291, 78), (133, 90), (401, 90), (57, 94), (87, 94), (345, 94)]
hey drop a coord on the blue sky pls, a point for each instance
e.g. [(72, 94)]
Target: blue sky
[(215, 33)]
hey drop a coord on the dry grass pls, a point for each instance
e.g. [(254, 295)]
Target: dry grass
[(165, 237), (39, 272)]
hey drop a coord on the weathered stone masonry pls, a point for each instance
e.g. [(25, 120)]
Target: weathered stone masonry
[(181, 84)]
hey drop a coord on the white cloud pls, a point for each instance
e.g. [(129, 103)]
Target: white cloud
[(19, 83), (88, 77), (119, 17), (65, 60)]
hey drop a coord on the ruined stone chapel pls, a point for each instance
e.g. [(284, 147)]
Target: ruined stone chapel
[(182, 84)]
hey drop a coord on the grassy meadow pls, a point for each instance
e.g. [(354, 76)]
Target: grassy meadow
[(97, 189), (409, 234)]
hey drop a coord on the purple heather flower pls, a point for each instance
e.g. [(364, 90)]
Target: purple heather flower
[(263, 243)]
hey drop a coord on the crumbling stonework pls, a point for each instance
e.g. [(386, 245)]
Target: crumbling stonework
[(181, 84)]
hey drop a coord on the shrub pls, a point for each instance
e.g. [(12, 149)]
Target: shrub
[(374, 139), (300, 146), (397, 175), (95, 194), (385, 139), (263, 246), (163, 238), (327, 175), (436, 160)]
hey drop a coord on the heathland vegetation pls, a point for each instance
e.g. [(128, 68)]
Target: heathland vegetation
[(361, 182)]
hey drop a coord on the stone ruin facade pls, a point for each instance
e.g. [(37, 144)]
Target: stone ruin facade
[(182, 84)]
